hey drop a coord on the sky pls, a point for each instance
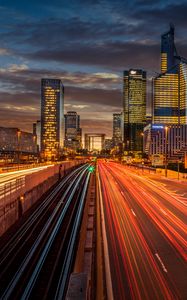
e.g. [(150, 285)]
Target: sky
[(86, 43)]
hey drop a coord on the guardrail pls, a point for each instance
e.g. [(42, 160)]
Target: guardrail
[(9, 192)]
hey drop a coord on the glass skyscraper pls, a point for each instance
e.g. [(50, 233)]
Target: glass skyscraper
[(170, 86), (168, 50), (52, 112), (182, 68), (73, 132), (134, 108)]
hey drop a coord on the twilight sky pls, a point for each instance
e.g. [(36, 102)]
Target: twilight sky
[(86, 43)]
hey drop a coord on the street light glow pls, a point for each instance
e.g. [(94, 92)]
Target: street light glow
[(91, 169)]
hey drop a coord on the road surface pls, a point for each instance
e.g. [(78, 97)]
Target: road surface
[(146, 234)]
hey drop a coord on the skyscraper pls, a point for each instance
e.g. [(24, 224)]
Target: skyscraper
[(37, 133), (73, 132), (117, 128), (182, 70), (52, 110), (170, 86), (166, 99), (168, 50), (134, 108)]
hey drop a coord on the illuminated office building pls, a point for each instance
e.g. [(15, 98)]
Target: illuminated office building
[(183, 90), (117, 129), (73, 132), (166, 99), (134, 109), (159, 141), (52, 110), (170, 86), (168, 50), (15, 140)]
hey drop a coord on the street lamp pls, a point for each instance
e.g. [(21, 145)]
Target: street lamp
[(166, 149), (18, 137), (142, 134), (34, 150)]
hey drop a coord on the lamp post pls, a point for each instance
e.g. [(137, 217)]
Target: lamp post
[(34, 146), (166, 149), (142, 135), (18, 137)]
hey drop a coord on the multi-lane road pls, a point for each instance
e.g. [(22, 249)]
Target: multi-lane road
[(145, 223)]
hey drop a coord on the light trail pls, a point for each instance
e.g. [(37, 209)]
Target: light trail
[(142, 221), (168, 222), (7, 177)]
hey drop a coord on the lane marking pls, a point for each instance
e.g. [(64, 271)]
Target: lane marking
[(161, 262), (133, 212)]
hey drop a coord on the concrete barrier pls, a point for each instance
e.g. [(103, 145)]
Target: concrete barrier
[(18, 198), (172, 174)]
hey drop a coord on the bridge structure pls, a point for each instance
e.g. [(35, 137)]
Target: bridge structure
[(90, 140)]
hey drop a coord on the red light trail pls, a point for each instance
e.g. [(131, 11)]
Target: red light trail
[(146, 236)]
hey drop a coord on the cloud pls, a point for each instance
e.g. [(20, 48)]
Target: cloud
[(99, 38), (80, 106), (111, 55), (12, 68), (97, 126), (4, 51)]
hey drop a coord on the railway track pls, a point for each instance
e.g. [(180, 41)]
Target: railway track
[(36, 262)]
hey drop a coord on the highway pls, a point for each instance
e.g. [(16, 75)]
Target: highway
[(145, 221)]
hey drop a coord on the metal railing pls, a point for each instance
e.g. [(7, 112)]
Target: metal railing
[(9, 192)]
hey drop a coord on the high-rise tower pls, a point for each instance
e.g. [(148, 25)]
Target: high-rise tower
[(168, 50), (134, 108), (170, 86), (73, 132), (52, 112)]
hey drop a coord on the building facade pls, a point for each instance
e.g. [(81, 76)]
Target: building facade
[(15, 140), (134, 109), (149, 133), (52, 118), (108, 144), (73, 132), (37, 133), (91, 141), (117, 128), (170, 86), (168, 50), (165, 140)]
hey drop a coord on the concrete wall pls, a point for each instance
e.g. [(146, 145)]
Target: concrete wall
[(172, 174), (15, 203)]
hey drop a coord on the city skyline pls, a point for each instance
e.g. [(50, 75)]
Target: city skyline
[(83, 51)]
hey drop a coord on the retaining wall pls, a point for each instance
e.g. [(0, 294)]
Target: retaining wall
[(18, 200)]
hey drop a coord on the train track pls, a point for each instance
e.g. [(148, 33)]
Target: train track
[(37, 260)]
